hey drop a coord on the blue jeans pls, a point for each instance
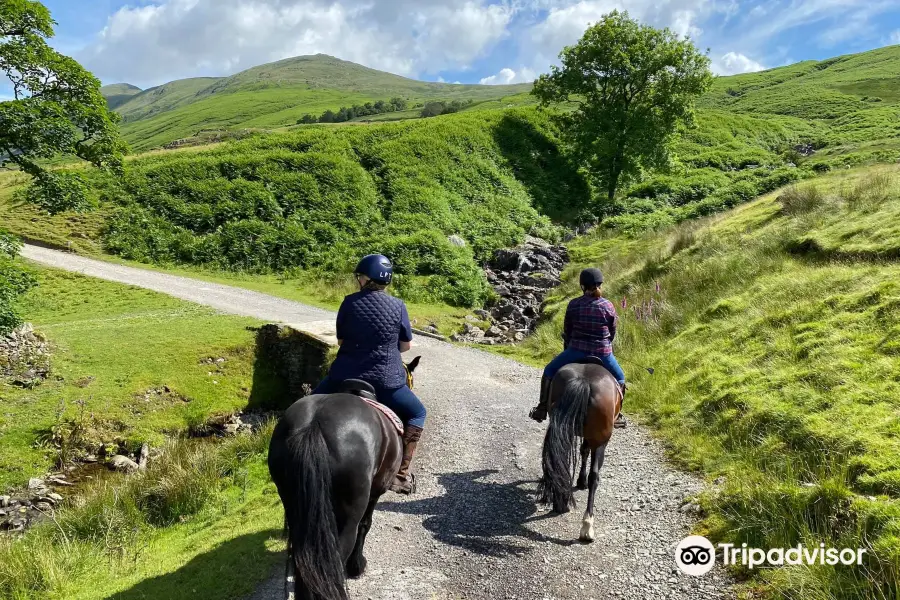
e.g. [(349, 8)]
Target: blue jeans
[(569, 356), (401, 400)]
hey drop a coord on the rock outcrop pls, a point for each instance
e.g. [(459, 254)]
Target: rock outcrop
[(24, 356), (521, 277)]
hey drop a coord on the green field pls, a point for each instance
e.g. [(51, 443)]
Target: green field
[(115, 344), (200, 524)]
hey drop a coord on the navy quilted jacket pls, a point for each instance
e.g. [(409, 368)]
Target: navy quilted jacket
[(371, 325)]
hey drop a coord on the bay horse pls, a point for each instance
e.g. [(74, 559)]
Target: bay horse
[(332, 456), (584, 402)]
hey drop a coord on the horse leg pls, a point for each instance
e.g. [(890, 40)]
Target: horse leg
[(587, 525), (356, 564), (582, 476)]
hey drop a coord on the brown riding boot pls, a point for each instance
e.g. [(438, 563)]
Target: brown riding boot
[(539, 412), (404, 481)]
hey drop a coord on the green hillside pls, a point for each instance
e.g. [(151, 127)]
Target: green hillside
[(774, 331), (163, 98), (275, 95), (118, 94), (826, 89)]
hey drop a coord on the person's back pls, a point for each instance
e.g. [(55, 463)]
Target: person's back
[(370, 325), (590, 325)]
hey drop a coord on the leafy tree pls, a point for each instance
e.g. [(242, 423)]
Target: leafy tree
[(399, 104), (307, 120), (57, 109), (328, 117), (632, 86), (433, 109)]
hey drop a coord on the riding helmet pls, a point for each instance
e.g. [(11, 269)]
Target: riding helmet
[(591, 278), (376, 267)]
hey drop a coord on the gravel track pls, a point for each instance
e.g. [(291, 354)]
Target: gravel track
[(474, 529)]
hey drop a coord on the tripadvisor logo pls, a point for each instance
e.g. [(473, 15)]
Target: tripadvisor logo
[(695, 555)]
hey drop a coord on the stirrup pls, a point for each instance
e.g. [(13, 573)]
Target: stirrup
[(620, 422), (407, 487)]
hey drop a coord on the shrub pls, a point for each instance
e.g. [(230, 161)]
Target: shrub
[(14, 281), (314, 200), (801, 200)]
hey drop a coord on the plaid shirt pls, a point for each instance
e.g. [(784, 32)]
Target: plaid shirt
[(590, 325)]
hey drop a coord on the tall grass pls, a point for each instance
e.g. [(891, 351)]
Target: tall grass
[(111, 520)]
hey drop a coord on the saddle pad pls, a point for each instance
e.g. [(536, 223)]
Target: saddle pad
[(391, 415)]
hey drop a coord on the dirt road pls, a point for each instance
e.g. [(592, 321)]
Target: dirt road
[(474, 530)]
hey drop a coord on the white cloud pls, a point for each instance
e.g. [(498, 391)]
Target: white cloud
[(507, 76), (894, 37), (734, 63), (179, 38), (152, 41)]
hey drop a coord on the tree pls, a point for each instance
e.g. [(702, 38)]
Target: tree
[(433, 109), (632, 86), (399, 104), (57, 109)]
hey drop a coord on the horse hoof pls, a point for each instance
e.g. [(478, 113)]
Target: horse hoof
[(587, 531), (581, 485), (357, 570)]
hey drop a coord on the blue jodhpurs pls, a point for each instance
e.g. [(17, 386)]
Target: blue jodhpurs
[(401, 400), (570, 356)]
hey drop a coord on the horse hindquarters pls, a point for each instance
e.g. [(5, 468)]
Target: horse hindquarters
[(560, 453), (300, 465)]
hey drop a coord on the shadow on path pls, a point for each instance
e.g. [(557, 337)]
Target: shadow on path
[(479, 516), (224, 572)]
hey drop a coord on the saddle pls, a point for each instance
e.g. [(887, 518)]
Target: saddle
[(365, 391)]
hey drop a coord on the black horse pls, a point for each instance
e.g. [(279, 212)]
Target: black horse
[(331, 457)]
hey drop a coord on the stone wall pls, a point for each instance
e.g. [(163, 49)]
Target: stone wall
[(289, 363)]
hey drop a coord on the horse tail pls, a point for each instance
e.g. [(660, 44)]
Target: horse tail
[(560, 455), (312, 528)]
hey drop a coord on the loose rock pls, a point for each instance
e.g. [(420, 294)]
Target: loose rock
[(123, 463)]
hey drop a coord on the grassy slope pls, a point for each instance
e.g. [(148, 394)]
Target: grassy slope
[(275, 95), (115, 343), (776, 341), (853, 99), (202, 523), (118, 94)]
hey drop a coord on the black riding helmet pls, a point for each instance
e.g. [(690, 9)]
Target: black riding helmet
[(376, 267), (591, 278)]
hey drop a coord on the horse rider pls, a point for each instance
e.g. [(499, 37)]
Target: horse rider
[(373, 329), (589, 330)]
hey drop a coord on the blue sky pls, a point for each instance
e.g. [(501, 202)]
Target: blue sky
[(150, 42)]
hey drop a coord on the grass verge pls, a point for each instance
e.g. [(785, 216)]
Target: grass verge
[(774, 331), (200, 523)]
